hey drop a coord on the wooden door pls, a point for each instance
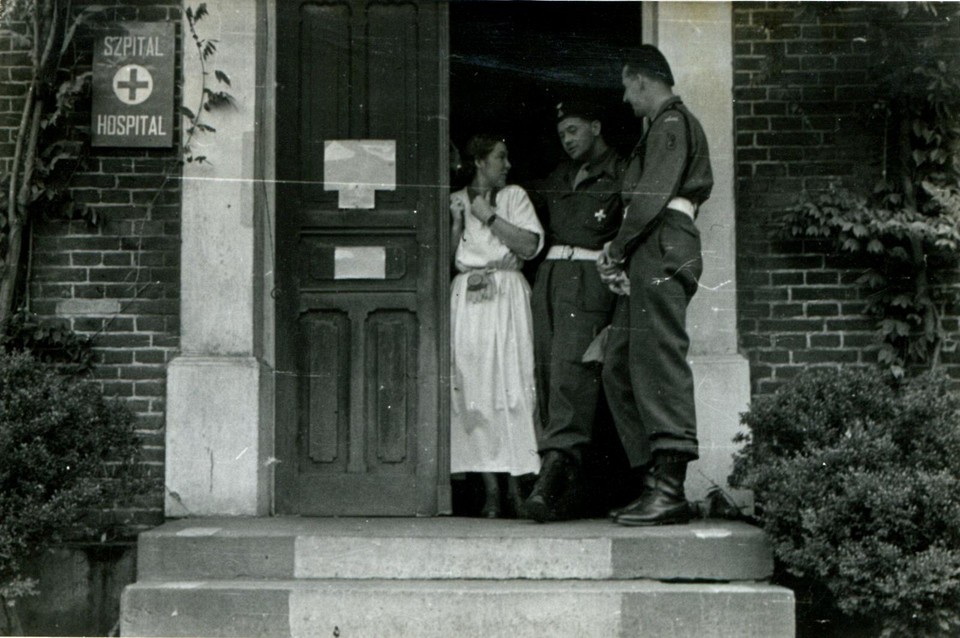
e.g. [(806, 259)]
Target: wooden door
[(362, 298)]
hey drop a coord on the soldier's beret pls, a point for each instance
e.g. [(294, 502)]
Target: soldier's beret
[(648, 60), (575, 107)]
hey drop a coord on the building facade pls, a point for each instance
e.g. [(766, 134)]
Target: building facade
[(285, 350)]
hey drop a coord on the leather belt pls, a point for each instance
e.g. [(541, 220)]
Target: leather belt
[(572, 252), (683, 205)]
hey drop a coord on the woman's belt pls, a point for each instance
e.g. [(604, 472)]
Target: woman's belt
[(572, 253), (481, 285)]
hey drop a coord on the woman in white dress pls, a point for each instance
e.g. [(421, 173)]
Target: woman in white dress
[(494, 229)]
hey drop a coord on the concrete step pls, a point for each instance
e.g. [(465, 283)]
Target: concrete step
[(462, 608), (449, 548)]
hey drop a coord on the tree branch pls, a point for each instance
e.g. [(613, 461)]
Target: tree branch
[(25, 118), (30, 158), (16, 223), (51, 36)]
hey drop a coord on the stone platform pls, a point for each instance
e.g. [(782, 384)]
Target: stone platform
[(384, 577)]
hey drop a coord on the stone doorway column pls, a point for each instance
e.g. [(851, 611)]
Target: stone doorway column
[(219, 427), (697, 40)]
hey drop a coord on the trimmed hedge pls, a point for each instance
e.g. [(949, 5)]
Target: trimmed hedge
[(65, 452), (857, 481)]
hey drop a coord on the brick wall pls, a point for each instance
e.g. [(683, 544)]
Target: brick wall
[(804, 116), (118, 281), (14, 72)]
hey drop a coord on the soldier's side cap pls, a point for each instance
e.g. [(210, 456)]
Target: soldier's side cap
[(647, 59), (574, 107)]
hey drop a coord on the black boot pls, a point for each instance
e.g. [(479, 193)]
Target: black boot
[(514, 500), (647, 480), (552, 496), (491, 487), (666, 503)]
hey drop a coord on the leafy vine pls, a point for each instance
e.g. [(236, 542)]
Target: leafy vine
[(908, 228), (51, 149), (48, 150), (210, 99)]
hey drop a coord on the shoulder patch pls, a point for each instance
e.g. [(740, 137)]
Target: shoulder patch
[(672, 132), (674, 122)]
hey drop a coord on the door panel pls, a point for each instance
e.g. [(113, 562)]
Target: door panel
[(324, 35), (362, 303), (325, 337), (391, 367)]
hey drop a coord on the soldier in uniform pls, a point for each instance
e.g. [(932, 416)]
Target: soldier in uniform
[(646, 376), (571, 305)]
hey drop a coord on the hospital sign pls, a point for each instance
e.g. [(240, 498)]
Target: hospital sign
[(133, 73)]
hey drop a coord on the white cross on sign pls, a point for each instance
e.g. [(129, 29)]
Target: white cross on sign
[(132, 84), (600, 215)]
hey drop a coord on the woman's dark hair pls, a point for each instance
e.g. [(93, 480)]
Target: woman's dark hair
[(478, 146)]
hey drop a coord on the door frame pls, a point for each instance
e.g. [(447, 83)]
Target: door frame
[(444, 489)]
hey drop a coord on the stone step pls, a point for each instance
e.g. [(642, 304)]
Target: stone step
[(461, 608), (449, 548)]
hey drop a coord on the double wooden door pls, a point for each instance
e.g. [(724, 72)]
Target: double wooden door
[(362, 295)]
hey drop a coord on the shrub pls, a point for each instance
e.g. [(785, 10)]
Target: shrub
[(49, 342), (857, 481), (65, 451)]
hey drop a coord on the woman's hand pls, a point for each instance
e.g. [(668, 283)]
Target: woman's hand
[(456, 208), (480, 209)]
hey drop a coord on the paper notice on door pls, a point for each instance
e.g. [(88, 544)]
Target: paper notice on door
[(359, 168), (356, 196), (360, 262)]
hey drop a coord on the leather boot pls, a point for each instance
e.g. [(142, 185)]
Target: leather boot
[(647, 482), (665, 504), (513, 497), (551, 497), (491, 505)]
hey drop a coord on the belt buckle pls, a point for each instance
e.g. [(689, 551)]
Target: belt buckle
[(567, 252)]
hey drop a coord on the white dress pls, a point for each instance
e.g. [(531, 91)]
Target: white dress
[(493, 395)]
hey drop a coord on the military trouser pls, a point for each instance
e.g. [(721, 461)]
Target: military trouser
[(570, 306), (646, 377)]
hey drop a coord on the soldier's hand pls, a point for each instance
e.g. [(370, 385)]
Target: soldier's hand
[(608, 268), (620, 285), (610, 277)]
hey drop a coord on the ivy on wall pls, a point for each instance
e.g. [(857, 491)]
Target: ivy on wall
[(907, 228), (49, 148)]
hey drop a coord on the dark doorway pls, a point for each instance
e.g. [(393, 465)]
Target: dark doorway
[(511, 62)]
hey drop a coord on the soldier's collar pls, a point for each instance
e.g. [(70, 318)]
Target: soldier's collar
[(603, 164)]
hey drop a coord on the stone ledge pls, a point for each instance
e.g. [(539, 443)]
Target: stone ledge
[(463, 608), (450, 548)]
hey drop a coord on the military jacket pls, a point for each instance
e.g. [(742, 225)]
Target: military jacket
[(589, 214), (670, 160)]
